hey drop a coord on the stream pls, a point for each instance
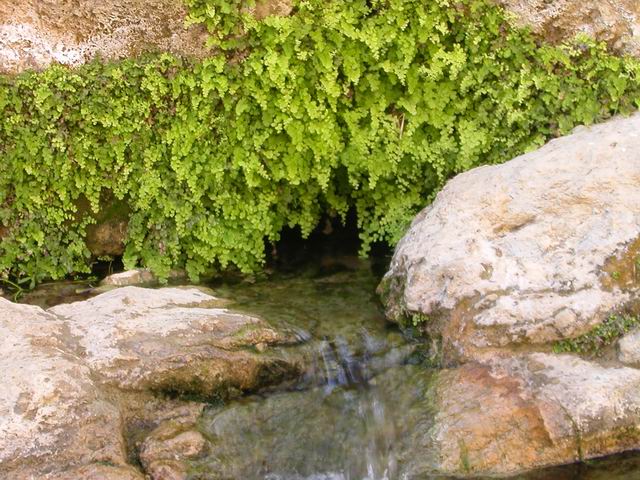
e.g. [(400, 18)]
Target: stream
[(352, 415)]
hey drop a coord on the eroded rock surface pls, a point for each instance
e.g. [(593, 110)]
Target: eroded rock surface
[(167, 451), (523, 254), (615, 21), (629, 348), (52, 415), (174, 339), (34, 34), (138, 277), (507, 261), (532, 411)]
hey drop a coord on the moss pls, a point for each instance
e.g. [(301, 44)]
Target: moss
[(465, 464), (595, 342), (623, 269)]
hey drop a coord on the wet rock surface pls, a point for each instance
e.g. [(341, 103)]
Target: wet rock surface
[(507, 262), (532, 411), (83, 379), (350, 431), (167, 451), (171, 339)]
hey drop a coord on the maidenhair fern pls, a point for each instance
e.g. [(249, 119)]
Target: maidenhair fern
[(366, 105)]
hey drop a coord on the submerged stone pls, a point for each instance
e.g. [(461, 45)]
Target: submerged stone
[(531, 411), (81, 379), (340, 433)]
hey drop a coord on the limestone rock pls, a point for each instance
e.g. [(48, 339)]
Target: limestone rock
[(34, 33), (137, 276), (522, 254), (166, 452), (531, 411), (52, 416), (615, 21), (98, 472), (174, 340), (629, 348)]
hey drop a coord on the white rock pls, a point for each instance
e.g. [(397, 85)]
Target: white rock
[(51, 413), (532, 235), (129, 278), (173, 339), (629, 348)]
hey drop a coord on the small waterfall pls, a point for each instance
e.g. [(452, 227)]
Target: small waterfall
[(339, 422)]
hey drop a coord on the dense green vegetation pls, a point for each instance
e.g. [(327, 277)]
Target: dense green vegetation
[(365, 105), (593, 343)]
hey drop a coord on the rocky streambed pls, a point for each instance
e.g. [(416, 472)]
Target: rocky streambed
[(512, 347), (314, 384)]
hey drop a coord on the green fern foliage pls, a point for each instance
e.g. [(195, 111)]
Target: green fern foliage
[(365, 105)]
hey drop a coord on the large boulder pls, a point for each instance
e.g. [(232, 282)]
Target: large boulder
[(52, 415), (175, 340), (520, 255), (512, 263)]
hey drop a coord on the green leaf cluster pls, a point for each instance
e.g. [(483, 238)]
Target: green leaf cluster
[(368, 105), (603, 335)]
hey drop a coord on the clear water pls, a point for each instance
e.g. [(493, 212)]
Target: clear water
[(365, 394)]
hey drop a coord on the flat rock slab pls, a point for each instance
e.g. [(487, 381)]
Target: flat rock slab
[(538, 249), (51, 413), (77, 376), (176, 340)]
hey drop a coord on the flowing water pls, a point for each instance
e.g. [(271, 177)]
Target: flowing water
[(360, 410), (356, 414), (341, 420)]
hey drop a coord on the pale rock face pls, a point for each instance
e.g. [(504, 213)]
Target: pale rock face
[(518, 254), (129, 278), (629, 349), (615, 21), (36, 33), (531, 411), (77, 378), (51, 413), (137, 277), (173, 339)]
